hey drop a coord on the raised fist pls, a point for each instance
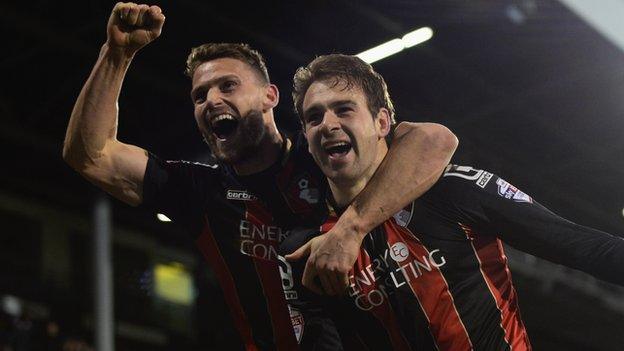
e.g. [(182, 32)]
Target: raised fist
[(132, 26)]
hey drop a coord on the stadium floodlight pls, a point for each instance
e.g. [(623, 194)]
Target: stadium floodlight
[(396, 45), (416, 37), (161, 217), (381, 51)]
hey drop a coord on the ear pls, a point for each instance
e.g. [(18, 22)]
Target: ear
[(383, 123), (271, 98)]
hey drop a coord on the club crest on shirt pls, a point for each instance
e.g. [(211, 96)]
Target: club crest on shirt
[(307, 191), (509, 191), (302, 193)]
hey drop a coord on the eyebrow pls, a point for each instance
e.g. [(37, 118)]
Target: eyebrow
[(213, 82), (332, 105)]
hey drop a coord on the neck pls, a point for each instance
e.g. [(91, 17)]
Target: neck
[(268, 152), (345, 190)]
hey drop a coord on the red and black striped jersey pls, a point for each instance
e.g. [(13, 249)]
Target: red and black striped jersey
[(435, 276), (238, 223)]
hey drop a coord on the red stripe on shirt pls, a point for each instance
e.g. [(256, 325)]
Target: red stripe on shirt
[(377, 302), (383, 312), (208, 246), (271, 280), (431, 290), (493, 264)]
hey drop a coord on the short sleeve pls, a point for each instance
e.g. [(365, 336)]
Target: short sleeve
[(178, 189)]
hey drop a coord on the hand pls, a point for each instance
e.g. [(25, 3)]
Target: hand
[(132, 26), (330, 257)]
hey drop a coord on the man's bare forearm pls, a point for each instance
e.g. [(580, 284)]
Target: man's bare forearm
[(416, 159), (91, 146), (93, 121)]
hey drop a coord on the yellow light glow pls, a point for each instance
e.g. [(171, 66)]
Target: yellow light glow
[(173, 283)]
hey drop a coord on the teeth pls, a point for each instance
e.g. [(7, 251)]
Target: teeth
[(341, 143), (223, 117)]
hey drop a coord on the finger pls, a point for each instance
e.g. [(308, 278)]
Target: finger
[(339, 282), (301, 252), (327, 284), (309, 273), (155, 10), (118, 7), (156, 15), (142, 17), (133, 15), (342, 282), (121, 10), (334, 278)]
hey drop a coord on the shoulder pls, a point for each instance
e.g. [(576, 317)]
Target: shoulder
[(469, 182), (183, 165), (191, 165), (179, 173), (463, 177), (467, 176), (460, 182)]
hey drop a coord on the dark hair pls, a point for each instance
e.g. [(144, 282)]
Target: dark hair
[(343, 68), (213, 51)]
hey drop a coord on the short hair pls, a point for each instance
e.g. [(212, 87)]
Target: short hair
[(343, 68), (212, 51)]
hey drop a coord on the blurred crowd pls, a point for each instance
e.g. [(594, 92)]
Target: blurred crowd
[(24, 333)]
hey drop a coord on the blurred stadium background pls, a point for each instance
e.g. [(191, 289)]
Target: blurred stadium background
[(534, 89)]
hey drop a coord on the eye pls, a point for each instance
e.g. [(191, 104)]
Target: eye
[(343, 110), (199, 97), (228, 86), (313, 118)]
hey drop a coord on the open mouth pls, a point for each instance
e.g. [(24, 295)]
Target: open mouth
[(338, 149), (224, 125)]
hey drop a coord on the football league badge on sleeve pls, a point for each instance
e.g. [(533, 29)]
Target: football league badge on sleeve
[(509, 191)]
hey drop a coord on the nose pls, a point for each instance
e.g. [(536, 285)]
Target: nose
[(214, 100), (330, 123)]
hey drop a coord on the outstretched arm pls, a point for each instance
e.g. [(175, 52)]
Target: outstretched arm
[(91, 146), (416, 159), (520, 221)]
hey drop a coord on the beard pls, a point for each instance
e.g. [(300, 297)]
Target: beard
[(242, 144)]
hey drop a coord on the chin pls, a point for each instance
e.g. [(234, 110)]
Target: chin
[(339, 176), (226, 158), (239, 153), (231, 156)]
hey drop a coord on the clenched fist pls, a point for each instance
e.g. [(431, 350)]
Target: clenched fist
[(132, 26), (330, 258)]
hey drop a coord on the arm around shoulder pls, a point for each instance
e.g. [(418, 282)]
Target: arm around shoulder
[(416, 159), (437, 135)]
